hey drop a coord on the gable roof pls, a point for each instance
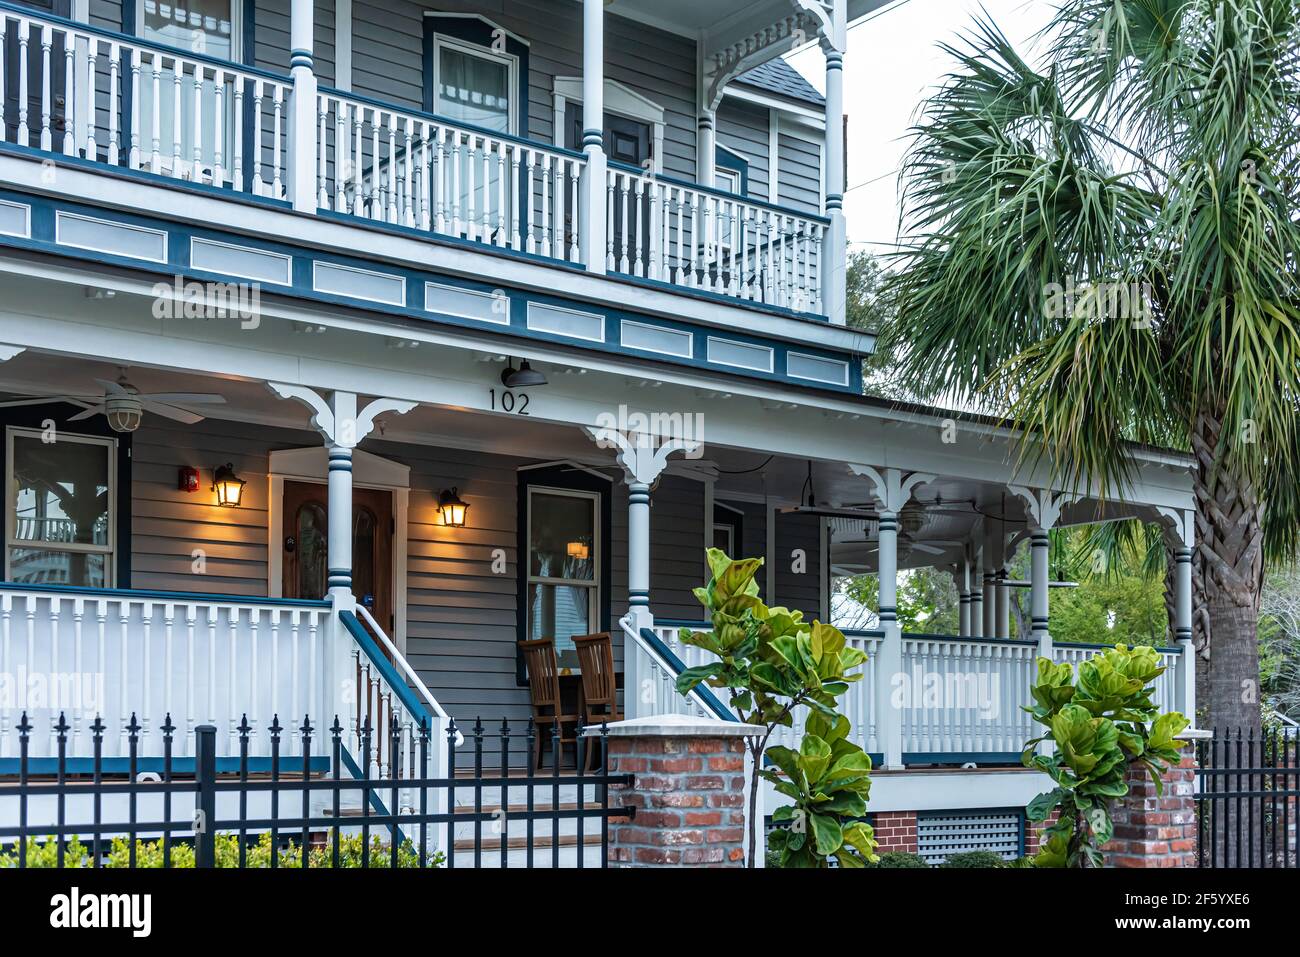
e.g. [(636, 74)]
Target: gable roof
[(777, 76)]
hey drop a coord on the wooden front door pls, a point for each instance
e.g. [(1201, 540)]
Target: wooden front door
[(305, 541)]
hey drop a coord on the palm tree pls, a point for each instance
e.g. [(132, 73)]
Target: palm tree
[(1155, 150)]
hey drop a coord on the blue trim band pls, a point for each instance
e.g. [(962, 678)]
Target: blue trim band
[(179, 597), (318, 764)]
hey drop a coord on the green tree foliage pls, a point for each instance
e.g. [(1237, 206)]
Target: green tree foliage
[(1153, 153)]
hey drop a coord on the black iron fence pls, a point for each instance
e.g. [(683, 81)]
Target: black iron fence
[(307, 807), (1247, 795)]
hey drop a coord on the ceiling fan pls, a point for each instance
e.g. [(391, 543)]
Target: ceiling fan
[(123, 405)]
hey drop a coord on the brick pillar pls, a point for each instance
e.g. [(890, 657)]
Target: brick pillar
[(895, 831), (1157, 832), (688, 788)]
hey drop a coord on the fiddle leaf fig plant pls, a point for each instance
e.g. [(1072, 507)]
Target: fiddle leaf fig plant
[(771, 662), (1099, 726), (829, 780)]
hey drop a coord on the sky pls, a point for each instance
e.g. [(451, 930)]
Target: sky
[(893, 58)]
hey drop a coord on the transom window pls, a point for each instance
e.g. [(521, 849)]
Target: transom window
[(563, 568), (475, 85), (61, 508)]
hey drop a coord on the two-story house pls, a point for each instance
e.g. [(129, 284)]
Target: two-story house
[(346, 345)]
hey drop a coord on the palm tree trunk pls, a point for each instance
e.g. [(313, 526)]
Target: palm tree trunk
[(1230, 547)]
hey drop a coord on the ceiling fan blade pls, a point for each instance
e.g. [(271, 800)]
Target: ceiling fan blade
[(16, 403), (928, 549), (94, 410), (172, 412), (112, 388), (184, 398)]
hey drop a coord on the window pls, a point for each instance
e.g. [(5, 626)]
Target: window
[(727, 529), (473, 85), (206, 27), (563, 568), (727, 180), (61, 509)]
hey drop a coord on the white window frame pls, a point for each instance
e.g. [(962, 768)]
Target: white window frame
[(236, 28), (11, 504), (593, 586), (509, 60), (166, 159)]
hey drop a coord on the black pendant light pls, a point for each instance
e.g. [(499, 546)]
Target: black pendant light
[(521, 378)]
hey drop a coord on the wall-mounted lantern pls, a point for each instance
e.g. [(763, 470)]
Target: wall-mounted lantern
[(228, 486), (452, 508)]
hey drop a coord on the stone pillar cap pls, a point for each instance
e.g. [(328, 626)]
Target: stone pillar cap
[(1193, 734), (676, 726)]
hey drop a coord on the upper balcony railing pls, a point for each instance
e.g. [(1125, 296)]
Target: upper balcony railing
[(79, 91)]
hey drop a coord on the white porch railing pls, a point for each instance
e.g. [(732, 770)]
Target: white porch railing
[(954, 699), (676, 232), (88, 93), (421, 171), (72, 90), (119, 654)]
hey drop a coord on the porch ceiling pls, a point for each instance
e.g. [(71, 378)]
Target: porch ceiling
[(721, 22)]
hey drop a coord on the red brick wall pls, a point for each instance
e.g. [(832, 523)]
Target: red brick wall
[(895, 831), (689, 795), (1156, 832), (1034, 833)]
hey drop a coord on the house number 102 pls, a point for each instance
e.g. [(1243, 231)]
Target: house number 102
[(515, 403)]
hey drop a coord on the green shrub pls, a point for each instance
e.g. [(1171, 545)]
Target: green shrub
[(900, 859), (974, 859), (149, 854)]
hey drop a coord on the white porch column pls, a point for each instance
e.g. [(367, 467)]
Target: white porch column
[(337, 420), (834, 278), (977, 596), (302, 113), (591, 217), (1040, 583), (991, 562), (963, 594), (706, 148), (893, 489), (643, 459), (1042, 511), (1181, 534)]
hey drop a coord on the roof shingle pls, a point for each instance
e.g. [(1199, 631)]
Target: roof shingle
[(777, 76)]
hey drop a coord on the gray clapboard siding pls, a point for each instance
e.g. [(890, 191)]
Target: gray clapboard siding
[(743, 127), (388, 52), (168, 525), (799, 173), (106, 14), (794, 589), (461, 615)]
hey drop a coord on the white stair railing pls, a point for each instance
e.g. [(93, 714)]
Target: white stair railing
[(398, 730)]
